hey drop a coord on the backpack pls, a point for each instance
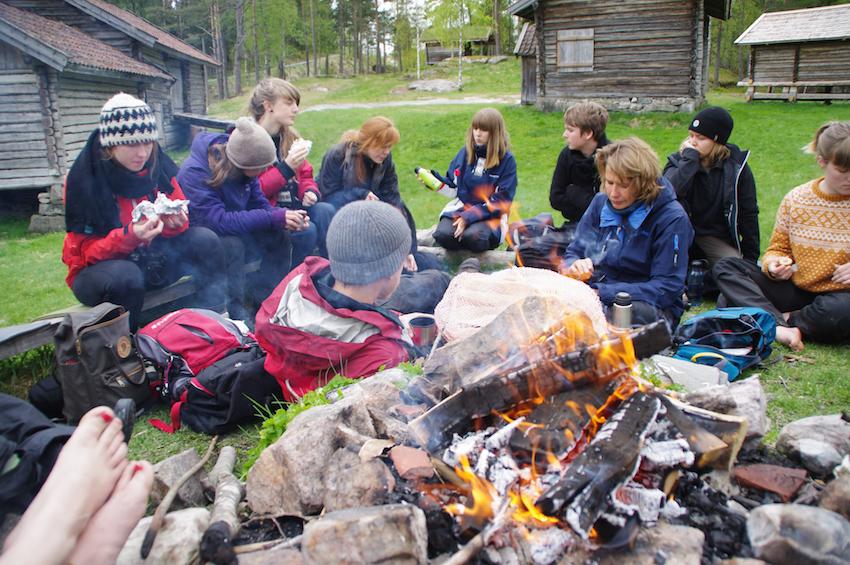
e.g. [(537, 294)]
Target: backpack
[(96, 360), (224, 395), (731, 339), (183, 343)]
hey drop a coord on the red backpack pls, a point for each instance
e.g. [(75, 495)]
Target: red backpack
[(185, 342)]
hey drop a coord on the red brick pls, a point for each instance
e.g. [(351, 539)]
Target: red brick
[(784, 481), (411, 463)]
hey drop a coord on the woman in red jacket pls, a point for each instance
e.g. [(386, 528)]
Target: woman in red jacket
[(111, 257), (289, 182)]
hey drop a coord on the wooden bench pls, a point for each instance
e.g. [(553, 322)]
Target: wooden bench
[(21, 338)]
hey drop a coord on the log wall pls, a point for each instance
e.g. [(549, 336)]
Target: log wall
[(823, 62), (653, 48), (24, 161)]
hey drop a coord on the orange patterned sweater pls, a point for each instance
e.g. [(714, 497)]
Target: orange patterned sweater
[(813, 229)]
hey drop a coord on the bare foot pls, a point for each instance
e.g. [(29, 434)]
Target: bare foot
[(790, 336), (85, 473), (105, 534)]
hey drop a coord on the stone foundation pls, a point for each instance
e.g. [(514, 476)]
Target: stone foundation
[(634, 104), (51, 211)]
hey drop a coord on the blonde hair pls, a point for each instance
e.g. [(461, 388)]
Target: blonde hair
[(633, 161), (587, 115), (271, 90), (832, 144), (221, 167), (491, 121), (376, 132), (717, 154)]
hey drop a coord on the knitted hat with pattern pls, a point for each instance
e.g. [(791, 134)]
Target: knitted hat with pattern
[(250, 146), (125, 120), (715, 123), (367, 240)]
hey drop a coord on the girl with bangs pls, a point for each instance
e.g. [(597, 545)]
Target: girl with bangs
[(289, 183), (634, 236), (804, 278), (482, 179)]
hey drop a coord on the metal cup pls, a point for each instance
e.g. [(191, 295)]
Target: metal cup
[(423, 331)]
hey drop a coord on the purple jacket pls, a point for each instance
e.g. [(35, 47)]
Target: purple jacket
[(236, 207)]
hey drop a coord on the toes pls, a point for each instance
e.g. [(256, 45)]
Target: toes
[(95, 422)]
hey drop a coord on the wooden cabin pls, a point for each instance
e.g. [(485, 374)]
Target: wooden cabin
[(799, 55), (60, 60), (477, 40), (627, 55)]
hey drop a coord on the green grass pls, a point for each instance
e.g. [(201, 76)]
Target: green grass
[(32, 275)]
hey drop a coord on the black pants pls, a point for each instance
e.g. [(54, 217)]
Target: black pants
[(29, 446), (197, 252), (419, 292), (823, 317), (477, 237)]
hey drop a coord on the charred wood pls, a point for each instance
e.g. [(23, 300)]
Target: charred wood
[(612, 458)]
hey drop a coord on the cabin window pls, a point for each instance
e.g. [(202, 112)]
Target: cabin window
[(575, 50)]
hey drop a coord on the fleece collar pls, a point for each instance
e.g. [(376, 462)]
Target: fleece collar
[(610, 218)]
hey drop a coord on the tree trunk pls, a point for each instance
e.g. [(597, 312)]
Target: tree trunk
[(460, 50), (281, 65), (267, 59), (313, 35), (341, 32), (497, 24), (717, 52), (240, 44), (256, 43), (219, 51)]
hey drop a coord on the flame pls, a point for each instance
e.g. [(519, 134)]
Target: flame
[(483, 494)]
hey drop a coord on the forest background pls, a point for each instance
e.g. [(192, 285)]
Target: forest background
[(293, 38)]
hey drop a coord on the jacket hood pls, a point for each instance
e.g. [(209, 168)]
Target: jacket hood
[(202, 142)]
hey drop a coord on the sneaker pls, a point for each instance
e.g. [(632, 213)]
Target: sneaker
[(470, 265)]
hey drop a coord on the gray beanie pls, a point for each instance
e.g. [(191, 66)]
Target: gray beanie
[(250, 146), (367, 240)]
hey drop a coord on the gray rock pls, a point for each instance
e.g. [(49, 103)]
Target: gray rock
[(745, 398), (497, 59), (681, 545), (425, 236), (352, 483), (46, 224), (818, 442), (836, 495), (790, 534), (43, 198), (433, 85), (168, 471), (733, 561), (286, 556), (394, 533), (51, 209), (678, 101), (287, 477), (176, 542)]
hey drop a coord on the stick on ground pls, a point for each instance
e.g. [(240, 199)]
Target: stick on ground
[(217, 541)]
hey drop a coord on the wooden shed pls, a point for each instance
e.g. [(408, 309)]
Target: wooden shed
[(635, 55), (477, 40), (60, 60), (799, 55)]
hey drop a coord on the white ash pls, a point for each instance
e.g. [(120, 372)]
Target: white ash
[(501, 438), (614, 519), (162, 206), (665, 454), (469, 445), (548, 545), (672, 510), (645, 502), (503, 473)]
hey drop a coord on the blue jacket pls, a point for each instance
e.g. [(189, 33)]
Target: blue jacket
[(338, 178), (236, 207), (486, 193), (644, 254)]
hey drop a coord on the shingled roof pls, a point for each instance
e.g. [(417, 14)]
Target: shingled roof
[(526, 44), (141, 29), (65, 48), (813, 24)]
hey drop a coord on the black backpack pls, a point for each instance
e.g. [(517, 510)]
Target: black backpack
[(224, 395)]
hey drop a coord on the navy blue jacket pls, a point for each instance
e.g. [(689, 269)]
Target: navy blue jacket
[(644, 254), (487, 194), (339, 183), (740, 205), (236, 207)]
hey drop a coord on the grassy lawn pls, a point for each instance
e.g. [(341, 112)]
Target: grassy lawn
[(32, 275)]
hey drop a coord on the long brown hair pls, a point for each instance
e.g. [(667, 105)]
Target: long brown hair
[(375, 132), (271, 90), (491, 121), (221, 167)]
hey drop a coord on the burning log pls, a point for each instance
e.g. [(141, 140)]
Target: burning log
[(547, 373), (699, 426), (611, 459)]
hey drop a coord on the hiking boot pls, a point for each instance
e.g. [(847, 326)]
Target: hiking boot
[(469, 265)]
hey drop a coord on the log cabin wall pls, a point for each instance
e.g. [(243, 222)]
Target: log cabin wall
[(823, 62), (26, 161), (650, 50)]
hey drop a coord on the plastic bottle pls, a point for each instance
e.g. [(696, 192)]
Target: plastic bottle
[(622, 317), (696, 280), (428, 179)]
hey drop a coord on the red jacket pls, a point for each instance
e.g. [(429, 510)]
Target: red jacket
[(308, 341), (273, 181), (80, 250)]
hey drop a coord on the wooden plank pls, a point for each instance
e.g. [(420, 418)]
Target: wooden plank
[(25, 163), (15, 173), (15, 340), (29, 182)]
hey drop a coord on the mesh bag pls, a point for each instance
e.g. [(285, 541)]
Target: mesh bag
[(474, 299)]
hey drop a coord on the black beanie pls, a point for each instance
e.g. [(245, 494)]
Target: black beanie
[(715, 123)]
